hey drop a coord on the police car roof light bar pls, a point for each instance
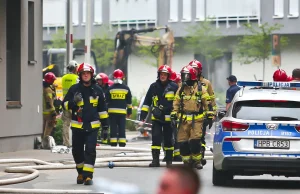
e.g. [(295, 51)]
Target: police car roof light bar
[(269, 84)]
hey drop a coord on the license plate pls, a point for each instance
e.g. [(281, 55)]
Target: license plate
[(272, 144)]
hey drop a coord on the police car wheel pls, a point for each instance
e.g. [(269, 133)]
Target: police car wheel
[(221, 178)]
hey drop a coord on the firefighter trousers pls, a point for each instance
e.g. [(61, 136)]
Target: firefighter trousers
[(117, 129), (189, 137), (66, 118), (84, 151), (48, 125), (162, 130)]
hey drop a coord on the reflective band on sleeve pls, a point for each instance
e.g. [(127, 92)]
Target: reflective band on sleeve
[(117, 110), (168, 148), (129, 105), (95, 124), (80, 103), (145, 108), (76, 124), (155, 147), (66, 105), (103, 115)]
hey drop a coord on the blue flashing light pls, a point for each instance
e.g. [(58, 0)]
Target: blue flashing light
[(269, 84)]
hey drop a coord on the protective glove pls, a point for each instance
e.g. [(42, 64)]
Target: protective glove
[(77, 97), (209, 122), (105, 132)]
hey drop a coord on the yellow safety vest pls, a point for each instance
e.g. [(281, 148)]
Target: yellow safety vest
[(67, 81)]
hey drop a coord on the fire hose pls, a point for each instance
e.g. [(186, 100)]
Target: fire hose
[(138, 160)]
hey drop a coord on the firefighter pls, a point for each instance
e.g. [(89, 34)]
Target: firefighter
[(119, 99), (296, 75), (176, 153), (212, 107), (280, 76), (68, 80), (89, 112), (190, 107), (178, 79), (160, 96), (49, 113), (102, 81)]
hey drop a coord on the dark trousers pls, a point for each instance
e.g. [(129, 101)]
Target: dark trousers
[(162, 130), (117, 129), (84, 151)]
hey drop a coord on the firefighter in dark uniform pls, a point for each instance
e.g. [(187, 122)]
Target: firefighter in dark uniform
[(119, 99), (102, 81), (160, 96), (89, 112)]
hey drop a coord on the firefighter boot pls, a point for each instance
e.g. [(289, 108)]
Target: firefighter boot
[(169, 157), (155, 156), (79, 179), (197, 164), (88, 181)]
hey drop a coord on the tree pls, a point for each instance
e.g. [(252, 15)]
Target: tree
[(203, 38), (59, 40), (257, 46)]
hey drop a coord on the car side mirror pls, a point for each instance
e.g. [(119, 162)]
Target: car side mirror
[(221, 114)]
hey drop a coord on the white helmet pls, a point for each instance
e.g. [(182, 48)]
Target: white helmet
[(72, 65)]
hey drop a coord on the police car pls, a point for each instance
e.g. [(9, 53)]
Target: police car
[(260, 133)]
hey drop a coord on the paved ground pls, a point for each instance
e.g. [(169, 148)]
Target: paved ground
[(146, 179)]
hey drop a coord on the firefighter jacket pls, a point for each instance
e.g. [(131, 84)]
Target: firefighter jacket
[(191, 102), (212, 107), (67, 81), (118, 98), (88, 113), (161, 98), (48, 99)]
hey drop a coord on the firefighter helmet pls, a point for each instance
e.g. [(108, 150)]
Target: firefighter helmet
[(72, 66), (196, 64), (280, 75), (178, 78), (49, 78), (118, 74), (173, 76), (85, 67), (289, 78), (103, 77), (164, 69), (188, 73), (110, 82)]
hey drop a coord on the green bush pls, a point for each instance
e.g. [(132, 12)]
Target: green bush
[(57, 133), (130, 125)]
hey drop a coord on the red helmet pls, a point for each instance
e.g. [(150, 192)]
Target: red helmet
[(85, 67), (49, 78), (103, 77), (289, 78), (164, 69), (110, 82), (178, 78), (118, 74), (173, 76), (280, 75), (196, 64), (188, 73)]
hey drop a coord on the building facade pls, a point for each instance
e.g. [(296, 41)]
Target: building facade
[(229, 15), (20, 73)]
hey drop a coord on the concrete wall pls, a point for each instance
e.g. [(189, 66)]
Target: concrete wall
[(19, 125)]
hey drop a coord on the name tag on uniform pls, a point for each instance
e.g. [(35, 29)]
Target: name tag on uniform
[(118, 96)]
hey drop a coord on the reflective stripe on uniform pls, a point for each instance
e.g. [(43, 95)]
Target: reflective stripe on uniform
[(170, 95), (145, 108), (196, 157), (94, 101), (95, 124), (118, 91), (176, 152), (66, 105), (190, 117), (185, 158), (113, 140), (117, 110), (80, 165), (168, 148), (155, 147), (129, 105), (80, 103), (167, 118), (122, 140), (88, 168), (205, 96), (103, 115)]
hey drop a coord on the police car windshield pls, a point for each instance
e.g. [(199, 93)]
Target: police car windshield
[(267, 110)]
